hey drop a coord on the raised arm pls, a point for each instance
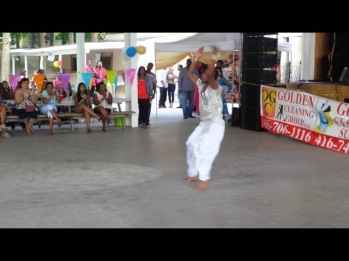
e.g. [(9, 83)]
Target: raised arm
[(211, 68), (192, 67)]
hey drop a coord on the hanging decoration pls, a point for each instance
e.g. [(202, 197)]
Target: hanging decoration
[(39, 80), (87, 76), (131, 75), (110, 76), (141, 49), (14, 79), (131, 51), (65, 77)]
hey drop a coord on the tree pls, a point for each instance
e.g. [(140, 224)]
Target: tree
[(5, 64)]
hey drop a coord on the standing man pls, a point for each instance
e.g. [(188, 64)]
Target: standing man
[(163, 88), (101, 72), (180, 98), (89, 68), (152, 76), (186, 88)]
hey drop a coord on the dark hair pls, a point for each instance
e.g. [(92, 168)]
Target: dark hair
[(216, 73), (180, 66), (139, 69), (79, 98), (47, 83), (24, 80), (98, 86)]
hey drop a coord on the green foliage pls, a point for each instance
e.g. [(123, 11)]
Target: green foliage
[(101, 37), (16, 37), (65, 37)]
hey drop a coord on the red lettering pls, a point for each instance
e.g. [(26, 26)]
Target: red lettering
[(341, 121), (344, 133), (297, 98), (343, 109)]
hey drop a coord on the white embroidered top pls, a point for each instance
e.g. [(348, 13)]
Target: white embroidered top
[(210, 103)]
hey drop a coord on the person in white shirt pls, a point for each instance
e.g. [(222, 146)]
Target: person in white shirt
[(103, 101), (204, 142), (163, 88)]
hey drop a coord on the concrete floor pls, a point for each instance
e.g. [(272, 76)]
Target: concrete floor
[(133, 178)]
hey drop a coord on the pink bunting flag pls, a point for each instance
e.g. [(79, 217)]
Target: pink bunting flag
[(131, 75), (65, 77), (14, 79), (123, 76)]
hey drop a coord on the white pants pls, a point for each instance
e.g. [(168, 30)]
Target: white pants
[(202, 148), (46, 109)]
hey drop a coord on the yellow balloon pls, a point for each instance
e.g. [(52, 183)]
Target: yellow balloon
[(141, 49), (55, 64)]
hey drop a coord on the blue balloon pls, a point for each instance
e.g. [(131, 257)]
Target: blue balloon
[(131, 51)]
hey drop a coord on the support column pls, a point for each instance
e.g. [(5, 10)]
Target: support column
[(308, 56), (80, 55), (71, 38), (131, 91), (321, 49), (13, 65), (41, 63), (94, 37), (42, 40), (26, 65)]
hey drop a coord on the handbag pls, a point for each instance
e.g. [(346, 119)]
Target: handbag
[(29, 108)]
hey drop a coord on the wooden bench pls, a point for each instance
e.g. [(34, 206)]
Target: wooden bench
[(114, 114), (75, 116)]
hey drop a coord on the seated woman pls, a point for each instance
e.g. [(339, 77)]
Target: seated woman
[(6, 93), (103, 101), (25, 100), (82, 103), (49, 105), (3, 119)]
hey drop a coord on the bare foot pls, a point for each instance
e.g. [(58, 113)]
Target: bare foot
[(28, 130), (201, 185), (191, 179)]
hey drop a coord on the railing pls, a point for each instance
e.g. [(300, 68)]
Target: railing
[(290, 72)]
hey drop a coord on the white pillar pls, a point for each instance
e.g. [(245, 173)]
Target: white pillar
[(41, 62), (131, 91), (80, 55), (26, 65), (308, 56), (13, 65)]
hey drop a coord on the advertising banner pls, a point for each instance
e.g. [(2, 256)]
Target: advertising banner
[(306, 117)]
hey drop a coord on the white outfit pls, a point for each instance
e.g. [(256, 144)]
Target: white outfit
[(164, 74), (104, 103), (204, 142)]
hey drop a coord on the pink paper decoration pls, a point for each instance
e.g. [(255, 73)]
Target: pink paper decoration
[(65, 77), (14, 79), (131, 75)]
